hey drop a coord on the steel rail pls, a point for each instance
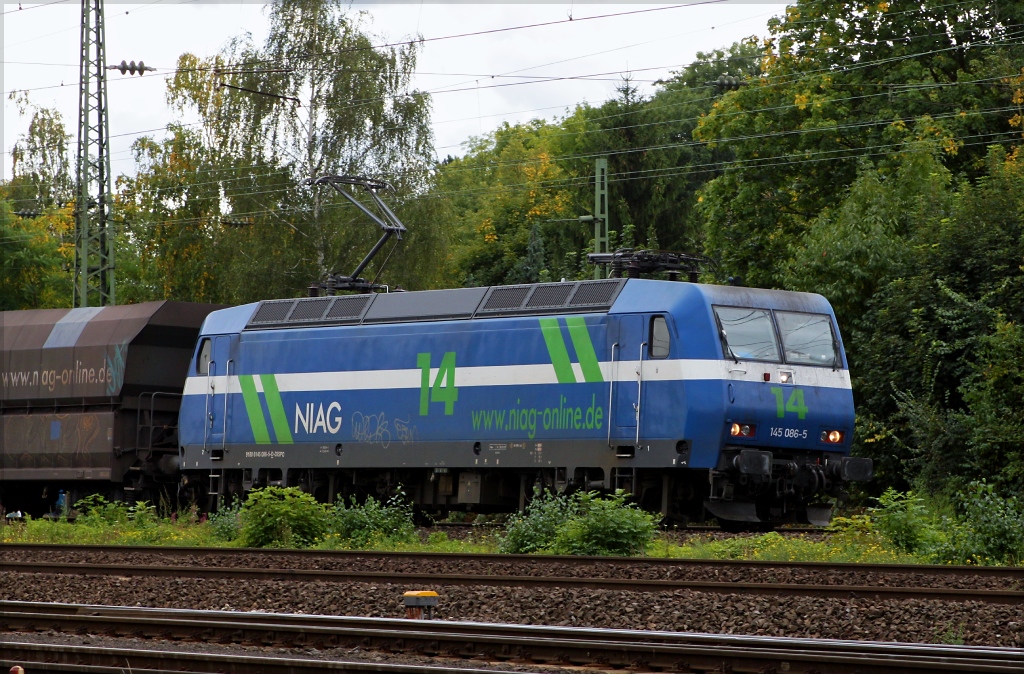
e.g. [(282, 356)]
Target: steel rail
[(1007, 572), (35, 658), (441, 579), (519, 643)]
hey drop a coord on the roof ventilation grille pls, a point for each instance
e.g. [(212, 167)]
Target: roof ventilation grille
[(553, 295), (272, 312), (503, 298), (348, 306), (595, 292), (310, 310)]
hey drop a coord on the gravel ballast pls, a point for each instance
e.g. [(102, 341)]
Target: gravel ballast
[(910, 620), (470, 565)]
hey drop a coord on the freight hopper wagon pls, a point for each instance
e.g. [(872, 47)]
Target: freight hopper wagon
[(90, 401), (697, 399)]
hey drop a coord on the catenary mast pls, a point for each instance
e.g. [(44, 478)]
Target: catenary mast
[(94, 238)]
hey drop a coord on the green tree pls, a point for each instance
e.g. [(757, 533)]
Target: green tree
[(852, 250), (840, 83), (221, 212), (507, 192), (931, 374), (40, 171), (37, 256)]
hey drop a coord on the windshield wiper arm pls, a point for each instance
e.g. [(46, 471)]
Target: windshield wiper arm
[(728, 348)]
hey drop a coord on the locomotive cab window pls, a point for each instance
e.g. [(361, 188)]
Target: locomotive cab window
[(747, 334), (807, 339), (660, 339), (203, 360)]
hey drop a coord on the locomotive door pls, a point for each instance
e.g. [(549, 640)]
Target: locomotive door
[(217, 397), (626, 373)]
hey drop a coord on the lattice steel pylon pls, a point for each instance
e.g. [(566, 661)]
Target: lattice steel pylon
[(600, 212), (94, 239)]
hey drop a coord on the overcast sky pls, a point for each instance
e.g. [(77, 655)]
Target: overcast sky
[(41, 52)]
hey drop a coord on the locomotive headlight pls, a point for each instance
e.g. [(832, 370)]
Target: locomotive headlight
[(833, 437), (742, 430)]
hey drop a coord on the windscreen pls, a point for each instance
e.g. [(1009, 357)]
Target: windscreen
[(747, 334), (807, 339)]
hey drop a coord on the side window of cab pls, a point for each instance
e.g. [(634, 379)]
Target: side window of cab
[(660, 340), (203, 360)]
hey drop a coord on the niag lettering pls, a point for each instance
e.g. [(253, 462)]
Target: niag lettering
[(313, 418)]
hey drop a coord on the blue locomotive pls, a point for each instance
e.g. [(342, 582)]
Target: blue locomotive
[(700, 400)]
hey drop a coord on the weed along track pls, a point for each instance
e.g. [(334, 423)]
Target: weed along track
[(979, 606)]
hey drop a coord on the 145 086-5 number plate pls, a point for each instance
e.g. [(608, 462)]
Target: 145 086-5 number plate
[(795, 433)]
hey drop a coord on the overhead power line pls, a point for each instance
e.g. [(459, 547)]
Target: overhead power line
[(802, 158)]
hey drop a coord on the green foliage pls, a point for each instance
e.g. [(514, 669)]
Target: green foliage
[(36, 254), (584, 523), (40, 169), (534, 530), (852, 250), (226, 523), (952, 635), (281, 517), (800, 131), (994, 395), (219, 212), (988, 529), (936, 351), (985, 528), (371, 523), (904, 520), (851, 540), (96, 509), (605, 526)]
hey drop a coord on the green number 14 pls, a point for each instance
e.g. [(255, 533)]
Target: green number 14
[(794, 404), (443, 390)]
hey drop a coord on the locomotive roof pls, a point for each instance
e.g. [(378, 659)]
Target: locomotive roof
[(538, 299), (84, 353)]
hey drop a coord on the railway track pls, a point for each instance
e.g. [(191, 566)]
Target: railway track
[(241, 565), (442, 579), (518, 644)]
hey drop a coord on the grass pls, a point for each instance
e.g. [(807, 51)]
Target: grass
[(773, 547), (843, 545), (160, 532)]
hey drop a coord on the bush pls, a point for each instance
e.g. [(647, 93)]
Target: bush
[(904, 520), (534, 530), (373, 522), (989, 530), (95, 509), (226, 523), (281, 517), (605, 526), (580, 524), (986, 528)]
